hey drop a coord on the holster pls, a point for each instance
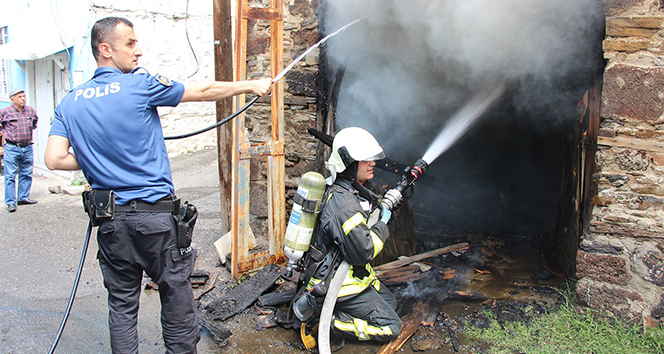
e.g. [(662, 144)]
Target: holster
[(99, 205), (186, 222)]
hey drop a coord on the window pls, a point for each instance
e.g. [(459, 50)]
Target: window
[(4, 67)]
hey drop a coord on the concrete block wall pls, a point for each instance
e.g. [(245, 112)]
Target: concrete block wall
[(620, 263)]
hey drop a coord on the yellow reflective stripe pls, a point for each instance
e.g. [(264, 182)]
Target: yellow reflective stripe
[(353, 221), (352, 285), (350, 290), (377, 242), (362, 329), (312, 282), (376, 284), (379, 331), (345, 326)]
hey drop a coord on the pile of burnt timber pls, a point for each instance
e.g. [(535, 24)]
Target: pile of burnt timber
[(407, 269), (217, 306)]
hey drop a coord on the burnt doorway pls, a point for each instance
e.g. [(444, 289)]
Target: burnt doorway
[(407, 68)]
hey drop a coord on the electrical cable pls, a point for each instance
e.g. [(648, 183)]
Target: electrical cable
[(73, 290), (186, 32)]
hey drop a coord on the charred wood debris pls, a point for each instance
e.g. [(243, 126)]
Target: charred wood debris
[(421, 284)]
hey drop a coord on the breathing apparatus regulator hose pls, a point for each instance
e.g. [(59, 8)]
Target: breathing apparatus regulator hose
[(73, 290)]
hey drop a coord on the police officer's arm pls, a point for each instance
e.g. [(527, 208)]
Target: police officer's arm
[(57, 155), (217, 90)]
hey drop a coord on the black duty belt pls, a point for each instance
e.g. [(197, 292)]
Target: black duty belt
[(18, 144), (164, 205)]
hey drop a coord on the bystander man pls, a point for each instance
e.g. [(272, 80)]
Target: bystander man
[(17, 122)]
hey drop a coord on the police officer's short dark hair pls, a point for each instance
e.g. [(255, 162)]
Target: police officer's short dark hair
[(102, 32)]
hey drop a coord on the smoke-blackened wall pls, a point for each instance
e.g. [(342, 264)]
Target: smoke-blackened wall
[(411, 65)]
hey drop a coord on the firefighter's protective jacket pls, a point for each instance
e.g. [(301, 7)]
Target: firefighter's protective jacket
[(344, 222)]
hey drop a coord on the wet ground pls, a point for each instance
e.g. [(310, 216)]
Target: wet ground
[(500, 269), (41, 248)]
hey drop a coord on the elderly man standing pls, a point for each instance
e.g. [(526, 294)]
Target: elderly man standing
[(17, 122)]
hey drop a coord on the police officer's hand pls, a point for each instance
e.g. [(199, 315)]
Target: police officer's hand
[(262, 87)]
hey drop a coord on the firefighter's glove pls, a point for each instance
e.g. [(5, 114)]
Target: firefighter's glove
[(392, 199), (385, 215)]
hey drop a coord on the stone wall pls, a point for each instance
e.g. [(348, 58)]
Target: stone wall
[(620, 264)]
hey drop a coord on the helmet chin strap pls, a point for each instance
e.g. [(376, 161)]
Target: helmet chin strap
[(350, 172)]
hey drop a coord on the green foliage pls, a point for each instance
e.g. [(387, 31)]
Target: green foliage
[(566, 330), (78, 182)]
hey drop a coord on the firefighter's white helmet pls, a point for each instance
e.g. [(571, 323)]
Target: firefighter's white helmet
[(350, 145)]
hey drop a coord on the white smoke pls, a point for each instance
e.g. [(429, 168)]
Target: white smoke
[(412, 64)]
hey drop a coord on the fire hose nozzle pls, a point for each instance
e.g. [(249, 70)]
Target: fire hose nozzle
[(421, 165), (391, 199), (411, 174)]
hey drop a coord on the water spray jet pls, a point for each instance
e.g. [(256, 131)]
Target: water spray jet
[(461, 122)]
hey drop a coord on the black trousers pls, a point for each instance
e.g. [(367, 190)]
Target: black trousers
[(370, 315), (137, 242)]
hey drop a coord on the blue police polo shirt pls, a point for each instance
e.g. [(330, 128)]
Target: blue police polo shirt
[(113, 126)]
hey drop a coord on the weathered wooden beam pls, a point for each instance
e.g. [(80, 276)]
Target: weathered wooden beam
[(410, 323), (243, 295), (405, 278), (218, 331), (223, 71), (273, 299), (418, 257), (396, 272)]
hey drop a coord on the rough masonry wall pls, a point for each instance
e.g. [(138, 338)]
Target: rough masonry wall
[(620, 264)]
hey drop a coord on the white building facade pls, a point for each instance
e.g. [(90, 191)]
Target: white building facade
[(45, 50)]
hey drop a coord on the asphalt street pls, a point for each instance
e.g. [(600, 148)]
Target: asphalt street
[(39, 256)]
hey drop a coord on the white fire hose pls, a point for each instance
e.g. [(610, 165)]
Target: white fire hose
[(325, 321)]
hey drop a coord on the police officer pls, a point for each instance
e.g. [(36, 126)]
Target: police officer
[(365, 308), (112, 124)]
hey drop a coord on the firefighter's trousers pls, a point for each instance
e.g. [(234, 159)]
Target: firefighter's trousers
[(369, 315)]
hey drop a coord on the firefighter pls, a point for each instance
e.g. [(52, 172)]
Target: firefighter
[(365, 308)]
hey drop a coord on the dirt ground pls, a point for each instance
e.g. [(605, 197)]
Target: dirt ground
[(40, 253)]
